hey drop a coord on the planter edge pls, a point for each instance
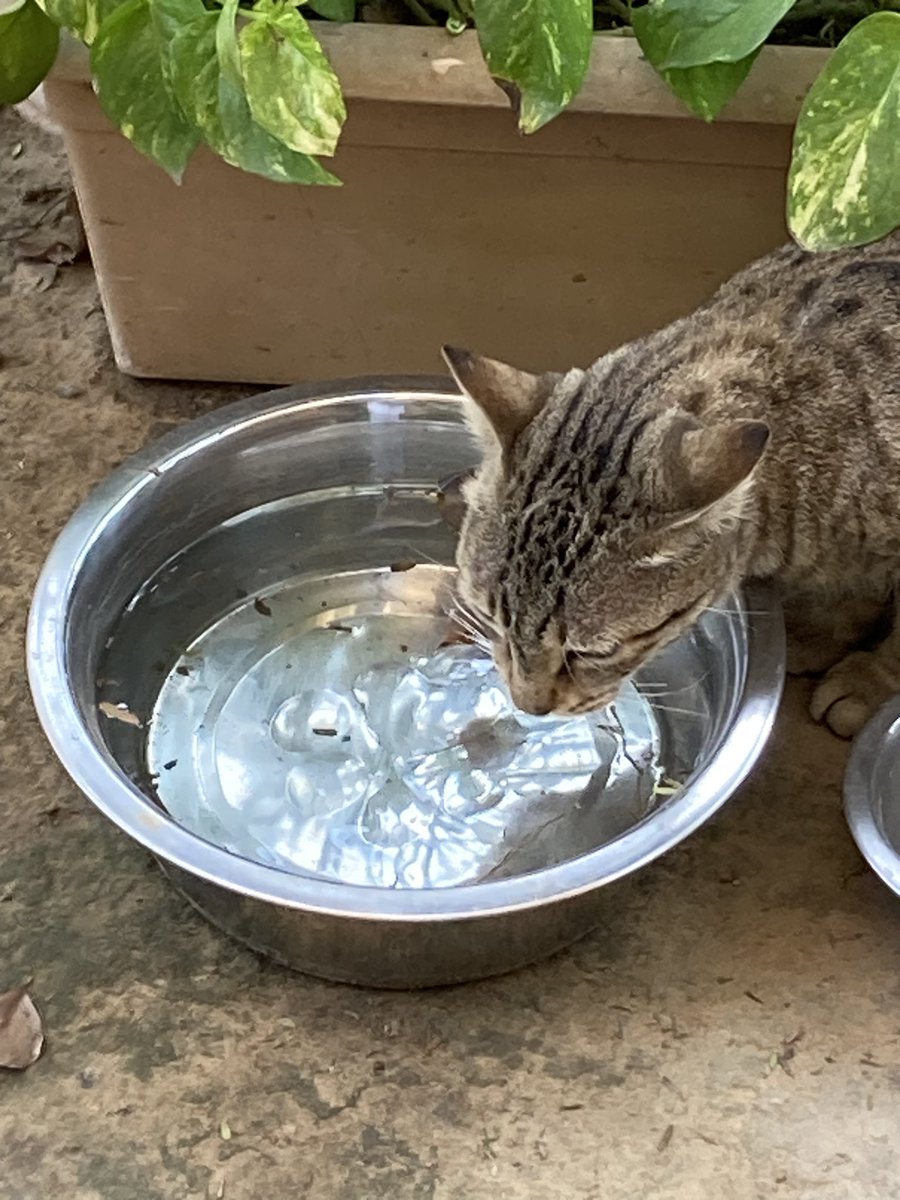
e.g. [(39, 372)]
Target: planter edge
[(414, 65)]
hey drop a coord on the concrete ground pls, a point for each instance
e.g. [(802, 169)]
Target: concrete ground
[(733, 1032)]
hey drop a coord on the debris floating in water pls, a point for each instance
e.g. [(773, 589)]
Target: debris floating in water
[(384, 766), (667, 787), (120, 712)]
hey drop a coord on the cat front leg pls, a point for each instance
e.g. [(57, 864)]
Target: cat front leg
[(824, 626), (859, 684)]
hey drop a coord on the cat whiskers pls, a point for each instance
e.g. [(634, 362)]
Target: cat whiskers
[(476, 636), (654, 693), (470, 617), (421, 555), (653, 689), (718, 610), (659, 690), (470, 623), (669, 708)]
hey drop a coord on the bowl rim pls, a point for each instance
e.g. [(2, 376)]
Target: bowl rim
[(136, 814), (862, 809)]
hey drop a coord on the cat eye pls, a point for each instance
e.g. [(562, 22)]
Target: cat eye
[(638, 642)]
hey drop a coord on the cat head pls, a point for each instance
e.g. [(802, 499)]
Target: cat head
[(598, 527)]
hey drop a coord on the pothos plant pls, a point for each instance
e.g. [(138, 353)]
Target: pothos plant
[(249, 78)]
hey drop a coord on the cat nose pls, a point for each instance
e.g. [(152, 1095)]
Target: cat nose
[(535, 699)]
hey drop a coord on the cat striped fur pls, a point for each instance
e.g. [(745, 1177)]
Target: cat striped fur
[(757, 438)]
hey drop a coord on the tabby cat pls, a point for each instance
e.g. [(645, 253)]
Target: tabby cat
[(759, 437)]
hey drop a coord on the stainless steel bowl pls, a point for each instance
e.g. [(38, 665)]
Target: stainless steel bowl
[(872, 793), (367, 437)]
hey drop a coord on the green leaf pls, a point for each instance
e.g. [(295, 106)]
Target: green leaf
[(28, 44), (844, 186), (220, 110), (291, 89), (127, 65), (707, 88), (83, 17), (171, 15), (227, 50), (538, 51), (168, 16), (334, 10), (675, 34)]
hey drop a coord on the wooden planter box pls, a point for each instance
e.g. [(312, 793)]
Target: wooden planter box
[(450, 227)]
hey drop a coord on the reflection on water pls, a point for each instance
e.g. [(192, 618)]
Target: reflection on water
[(367, 751)]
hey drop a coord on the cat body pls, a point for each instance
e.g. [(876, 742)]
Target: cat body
[(758, 437)]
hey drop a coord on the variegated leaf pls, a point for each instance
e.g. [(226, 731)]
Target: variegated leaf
[(292, 91), (538, 51), (128, 69), (219, 108), (844, 184)]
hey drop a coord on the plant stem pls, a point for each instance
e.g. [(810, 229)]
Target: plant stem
[(418, 10), (616, 8)]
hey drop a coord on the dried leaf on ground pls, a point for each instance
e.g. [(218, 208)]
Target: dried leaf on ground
[(33, 277), (21, 1031), (44, 193), (782, 1058), (215, 1189), (47, 245), (55, 235)]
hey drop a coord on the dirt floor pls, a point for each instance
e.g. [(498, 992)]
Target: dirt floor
[(732, 1032)]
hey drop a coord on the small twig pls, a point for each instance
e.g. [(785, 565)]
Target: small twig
[(665, 1139), (621, 731)]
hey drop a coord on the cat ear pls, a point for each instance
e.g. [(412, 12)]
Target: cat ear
[(507, 400), (704, 465)]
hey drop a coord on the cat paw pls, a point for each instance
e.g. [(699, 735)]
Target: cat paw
[(852, 691), (812, 656)]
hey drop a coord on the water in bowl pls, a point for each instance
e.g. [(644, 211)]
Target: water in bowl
[(328, 723)]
